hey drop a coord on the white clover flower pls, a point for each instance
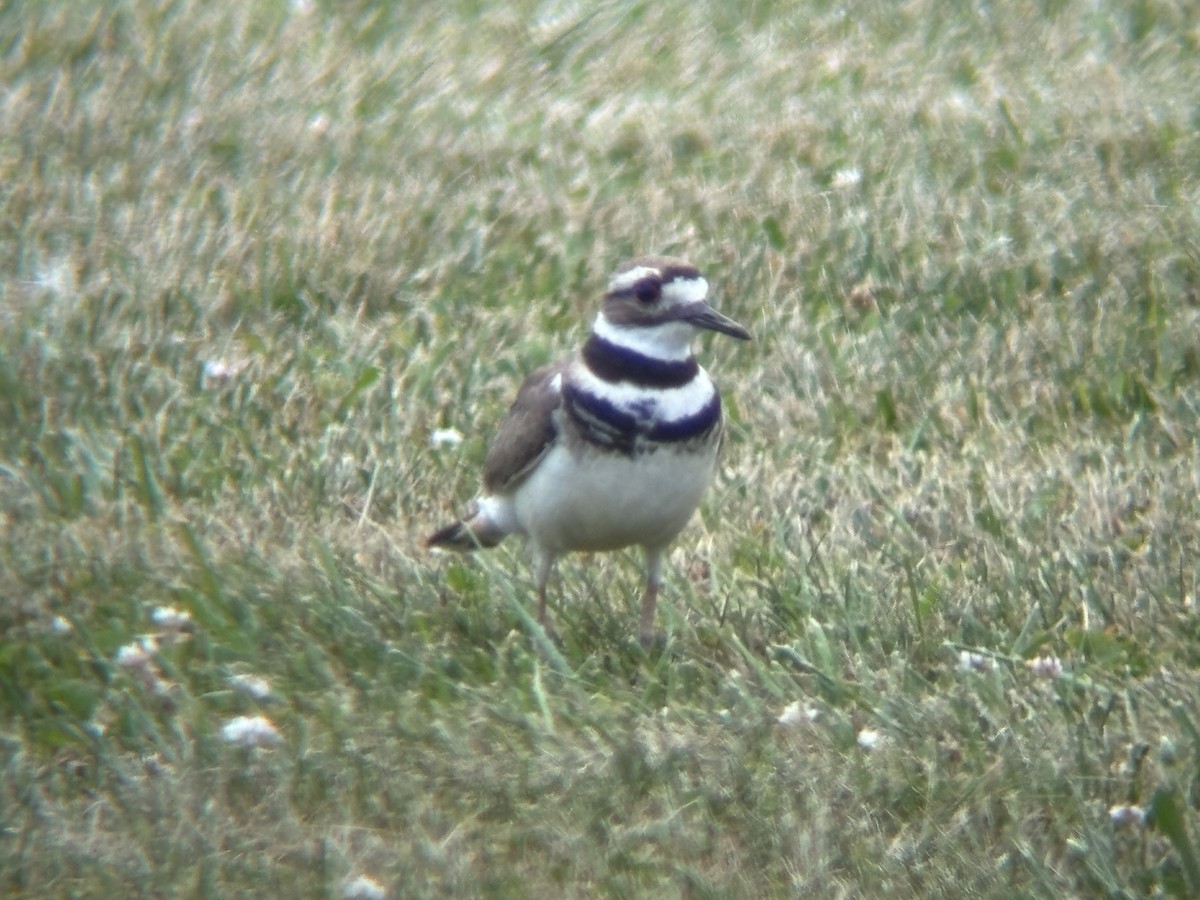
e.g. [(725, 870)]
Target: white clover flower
[(1122, 816), (319, 124), (192, 120), (61, 625), (254, 685), (138, 654), (847, 178), (217, 371), (363, 888), (869, 739), (833, 62), (796, 714), (975, 662), (56, 277), (172, 619), (251, 731), (1048, 667), (445, 437)]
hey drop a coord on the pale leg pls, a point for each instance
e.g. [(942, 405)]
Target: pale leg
[(654, 561), (545, 564)]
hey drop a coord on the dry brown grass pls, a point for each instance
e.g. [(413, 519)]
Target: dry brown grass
[(965, 438)]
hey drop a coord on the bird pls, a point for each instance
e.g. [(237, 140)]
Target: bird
[(614, 445)]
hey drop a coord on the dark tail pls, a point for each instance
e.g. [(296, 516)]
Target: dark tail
[(468, 534)]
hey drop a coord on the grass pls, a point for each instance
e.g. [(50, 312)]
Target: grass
[(254, 256)]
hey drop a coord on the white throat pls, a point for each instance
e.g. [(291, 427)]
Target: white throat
[(667, 340)]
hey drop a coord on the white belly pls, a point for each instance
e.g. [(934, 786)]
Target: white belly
[(603, 501)]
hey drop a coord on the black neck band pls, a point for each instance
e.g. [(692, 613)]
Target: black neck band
[(612, 363)]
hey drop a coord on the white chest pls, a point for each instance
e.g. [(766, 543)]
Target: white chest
[(593, 500)]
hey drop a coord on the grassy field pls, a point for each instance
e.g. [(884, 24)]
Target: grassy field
[(934, 632)]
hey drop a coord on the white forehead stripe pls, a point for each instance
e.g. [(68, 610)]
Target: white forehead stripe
[(686, 290), (625, 280), (680, 290)]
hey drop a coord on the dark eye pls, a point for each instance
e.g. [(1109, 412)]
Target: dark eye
[(648, 290)]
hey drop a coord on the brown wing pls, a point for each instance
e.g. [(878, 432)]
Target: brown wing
[(527, 432)]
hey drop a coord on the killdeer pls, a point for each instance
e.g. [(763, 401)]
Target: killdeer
[(613, 446)]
